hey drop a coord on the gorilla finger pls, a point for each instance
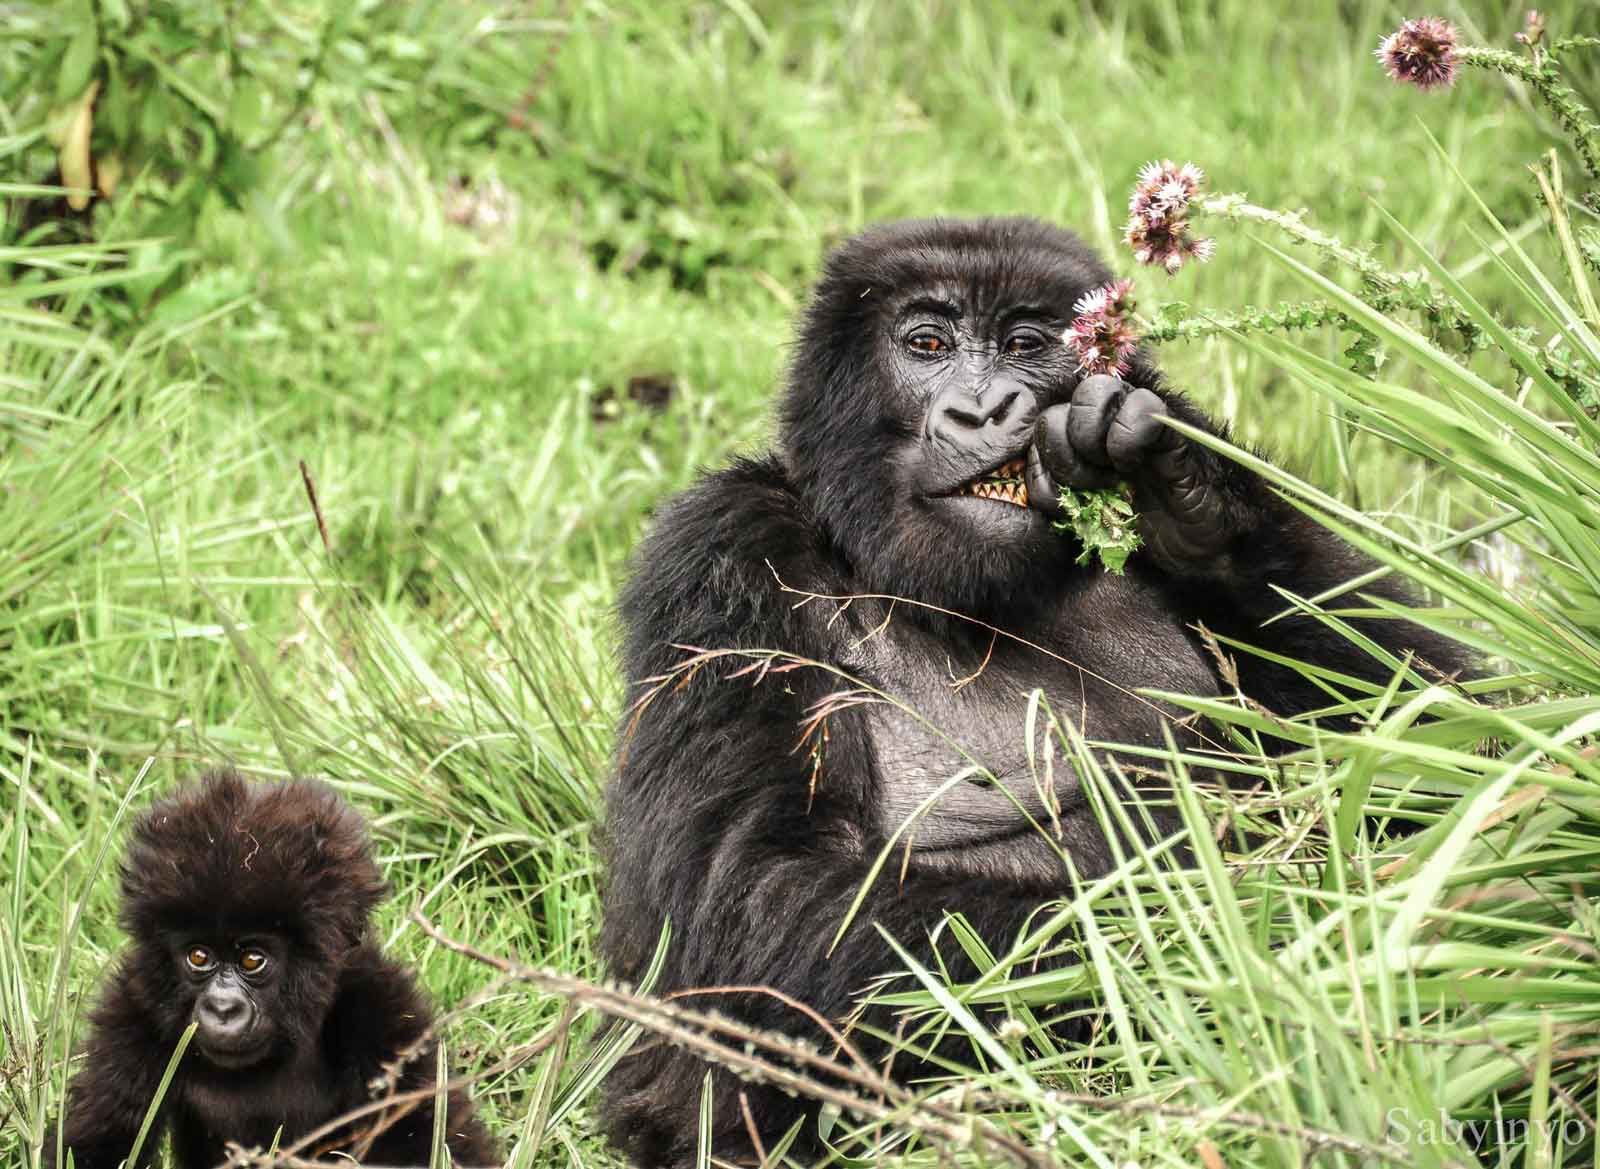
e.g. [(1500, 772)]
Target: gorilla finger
[(1044, 493), (1136, 429), (1058, 457), (1094, 403)]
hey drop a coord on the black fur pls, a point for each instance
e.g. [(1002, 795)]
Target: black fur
[(287, 867), (754, 850)]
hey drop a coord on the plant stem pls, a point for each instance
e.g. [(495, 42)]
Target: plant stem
[(1385, 290), (1575, 118), (1302, 314)]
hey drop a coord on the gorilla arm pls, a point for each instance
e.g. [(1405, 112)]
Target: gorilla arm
[(1222, 538), (378, 1015), (714, 821), (122, 1067)]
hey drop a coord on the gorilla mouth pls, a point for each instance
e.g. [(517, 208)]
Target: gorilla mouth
[(1004, 484), (233, 1058)]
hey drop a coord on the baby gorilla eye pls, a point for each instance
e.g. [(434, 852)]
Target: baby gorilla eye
[(927, 343), (199, 958), (1024, 343), (252, 961)]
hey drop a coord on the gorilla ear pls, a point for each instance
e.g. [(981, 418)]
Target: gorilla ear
[(364, 888)]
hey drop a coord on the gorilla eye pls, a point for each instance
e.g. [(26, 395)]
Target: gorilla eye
[(252, 961), (927, 343), (1024, 343), (199, 958)]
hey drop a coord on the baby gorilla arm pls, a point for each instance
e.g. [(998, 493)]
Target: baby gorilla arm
[(109, 1097), (1220, 536)]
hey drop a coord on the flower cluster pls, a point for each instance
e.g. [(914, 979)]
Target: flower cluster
[(1532, 29), (1421, 52), (1102, 336), (1158, 216)]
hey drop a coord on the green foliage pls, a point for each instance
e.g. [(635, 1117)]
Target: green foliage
[(147, 112), (1104, 524), (453, 236)]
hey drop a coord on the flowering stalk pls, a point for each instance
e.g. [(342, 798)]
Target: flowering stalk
[(1425, 52), (1542, 76), (1172, 321), (1102, 336), (1382, 288)]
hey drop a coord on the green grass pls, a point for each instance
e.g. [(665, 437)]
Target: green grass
[(458, 393)]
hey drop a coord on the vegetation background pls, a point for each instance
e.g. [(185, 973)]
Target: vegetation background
[(498, 277)]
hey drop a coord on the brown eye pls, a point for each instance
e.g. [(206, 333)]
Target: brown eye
[(252, 961), (199, 958), (927, 343), (1023, 343)]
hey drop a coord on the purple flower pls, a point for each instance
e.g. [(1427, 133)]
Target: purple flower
[(1158, 216), (1421, 52), (1102, 336), (1164, 189), (1532, 29), (1167, 243)]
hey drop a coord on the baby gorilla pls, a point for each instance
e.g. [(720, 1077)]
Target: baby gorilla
[(248, 907)]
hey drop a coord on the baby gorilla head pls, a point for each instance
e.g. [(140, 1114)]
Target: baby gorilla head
[(928, 352), (244, 901)]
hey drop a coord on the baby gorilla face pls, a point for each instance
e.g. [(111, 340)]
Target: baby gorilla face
[(232, 983)]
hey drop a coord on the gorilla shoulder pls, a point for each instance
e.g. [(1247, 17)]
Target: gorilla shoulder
[(708, 573)]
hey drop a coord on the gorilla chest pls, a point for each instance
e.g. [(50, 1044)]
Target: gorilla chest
[(254, 1108), (950, 739)]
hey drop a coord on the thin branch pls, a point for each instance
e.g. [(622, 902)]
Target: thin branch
[(316, 507)]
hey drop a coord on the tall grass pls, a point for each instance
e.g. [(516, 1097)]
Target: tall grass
[(435, 296)]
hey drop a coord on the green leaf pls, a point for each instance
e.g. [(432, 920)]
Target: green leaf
[(1104, 523), (247, 110), (77, 64)]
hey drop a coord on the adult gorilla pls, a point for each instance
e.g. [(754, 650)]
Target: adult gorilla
[(928, 380)]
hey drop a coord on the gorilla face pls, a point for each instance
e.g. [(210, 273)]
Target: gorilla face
[(926, 356), (231, 984), (974, 379)]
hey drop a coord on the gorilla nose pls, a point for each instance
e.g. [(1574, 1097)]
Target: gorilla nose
[(998, 408), (224, 1012)]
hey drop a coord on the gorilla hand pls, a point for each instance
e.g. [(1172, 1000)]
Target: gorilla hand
[(1111, 431)]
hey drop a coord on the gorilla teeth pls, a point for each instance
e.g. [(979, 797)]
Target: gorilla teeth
[(1003, 484), (1015, 493)]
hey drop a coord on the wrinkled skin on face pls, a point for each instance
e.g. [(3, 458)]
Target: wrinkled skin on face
[(233, 984), (975, 379), (997, 444)]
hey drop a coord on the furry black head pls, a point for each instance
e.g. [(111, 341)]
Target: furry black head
[(225, 855), (853, 418), (292, 856)]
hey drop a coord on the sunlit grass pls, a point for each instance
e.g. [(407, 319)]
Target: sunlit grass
[(454, 375)]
